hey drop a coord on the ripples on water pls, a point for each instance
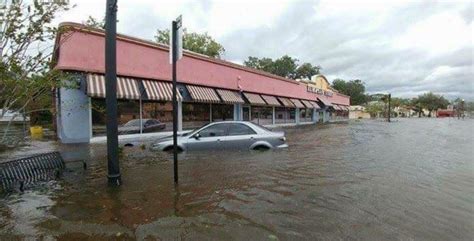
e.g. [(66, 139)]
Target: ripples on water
[(408, 180)]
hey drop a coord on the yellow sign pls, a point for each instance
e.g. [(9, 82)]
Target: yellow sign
[(319, 85)]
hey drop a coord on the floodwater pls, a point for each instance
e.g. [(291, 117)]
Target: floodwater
[(412, 179)]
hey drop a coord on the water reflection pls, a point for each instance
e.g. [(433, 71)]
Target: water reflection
[(411, 179)]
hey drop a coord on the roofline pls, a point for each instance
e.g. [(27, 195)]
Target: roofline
[(148, 43)]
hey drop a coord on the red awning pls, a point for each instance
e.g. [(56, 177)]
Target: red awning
[(157, 90), (271, 100), (325, 102), (307, 103), (203, 94), (316, 105), (254, 99), (230, 97), (286, 102), (127, 88), (298, 103)]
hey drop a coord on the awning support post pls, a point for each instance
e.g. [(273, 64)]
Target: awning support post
[(141, 115), (297, 115), (273, 115), (210, 112)]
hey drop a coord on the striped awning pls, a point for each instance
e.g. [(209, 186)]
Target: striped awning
[(203, 94), (325, 102), (306, 103), (315, 104), (127, 88), (254, 99), (230, 97), (157, 90), (298, 103), (271, 100), (286, 102)]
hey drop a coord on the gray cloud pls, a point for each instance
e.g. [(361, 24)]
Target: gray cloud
[(358, 46), (361, 41)]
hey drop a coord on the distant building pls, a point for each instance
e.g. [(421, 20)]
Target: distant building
[(448, 112), (358, 112), (339, 103), (404, 111)]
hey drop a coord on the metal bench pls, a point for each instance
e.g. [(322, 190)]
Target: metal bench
[(25, 171)]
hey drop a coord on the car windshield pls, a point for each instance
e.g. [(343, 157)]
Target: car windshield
[(133, 123)]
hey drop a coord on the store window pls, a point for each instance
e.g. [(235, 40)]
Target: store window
[(284, 115), (262, 115), (128, 111), (306, 115), (161, 112), (222, 112), (195, 115)]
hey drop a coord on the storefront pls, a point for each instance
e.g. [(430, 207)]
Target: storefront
[(208, 90)]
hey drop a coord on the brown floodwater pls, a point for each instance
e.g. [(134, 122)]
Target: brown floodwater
[(412, 179)]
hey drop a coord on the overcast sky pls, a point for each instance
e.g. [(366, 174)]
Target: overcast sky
[(402, 47)]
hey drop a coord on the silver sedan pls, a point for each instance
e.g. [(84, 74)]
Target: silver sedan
[(225, 135)]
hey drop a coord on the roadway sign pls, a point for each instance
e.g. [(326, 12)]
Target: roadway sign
[(179, 37)]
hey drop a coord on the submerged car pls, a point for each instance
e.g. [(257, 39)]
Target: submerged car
[(133, 126), (225, 135)]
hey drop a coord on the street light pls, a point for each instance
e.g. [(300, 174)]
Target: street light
[(113, 168)]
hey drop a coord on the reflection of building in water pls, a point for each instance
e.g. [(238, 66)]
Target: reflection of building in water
[(208, 89)]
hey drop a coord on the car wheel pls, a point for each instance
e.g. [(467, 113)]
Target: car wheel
[(261, 148)]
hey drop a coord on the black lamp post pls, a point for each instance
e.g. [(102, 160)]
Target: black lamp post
[(113, 167)]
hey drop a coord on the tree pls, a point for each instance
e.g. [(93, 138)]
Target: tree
[(93, 22), (26, 49), (196, 42), (397, 102), (415, 103), (265, 64), (353, 88), (307, 70), (374, 108), (432, 102), (284, 66)]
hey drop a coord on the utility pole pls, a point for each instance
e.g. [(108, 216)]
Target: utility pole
[(113, 167), (176, 53), (389, 99)]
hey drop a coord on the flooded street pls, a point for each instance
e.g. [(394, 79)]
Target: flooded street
[(412, 179)]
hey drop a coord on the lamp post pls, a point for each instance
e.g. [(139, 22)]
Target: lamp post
[(389, 111), (113, 167), (175, 55)]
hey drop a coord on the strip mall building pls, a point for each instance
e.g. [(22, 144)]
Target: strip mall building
[(208, 89)]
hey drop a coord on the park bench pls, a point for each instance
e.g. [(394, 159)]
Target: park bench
[(22, 172)]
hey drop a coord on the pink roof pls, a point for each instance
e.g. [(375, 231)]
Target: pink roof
[(82, 49)]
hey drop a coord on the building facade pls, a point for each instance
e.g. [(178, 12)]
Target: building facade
[(208, 89)]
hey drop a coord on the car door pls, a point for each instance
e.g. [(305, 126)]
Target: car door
[(209, 137), (153, 125), (239, 136)]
